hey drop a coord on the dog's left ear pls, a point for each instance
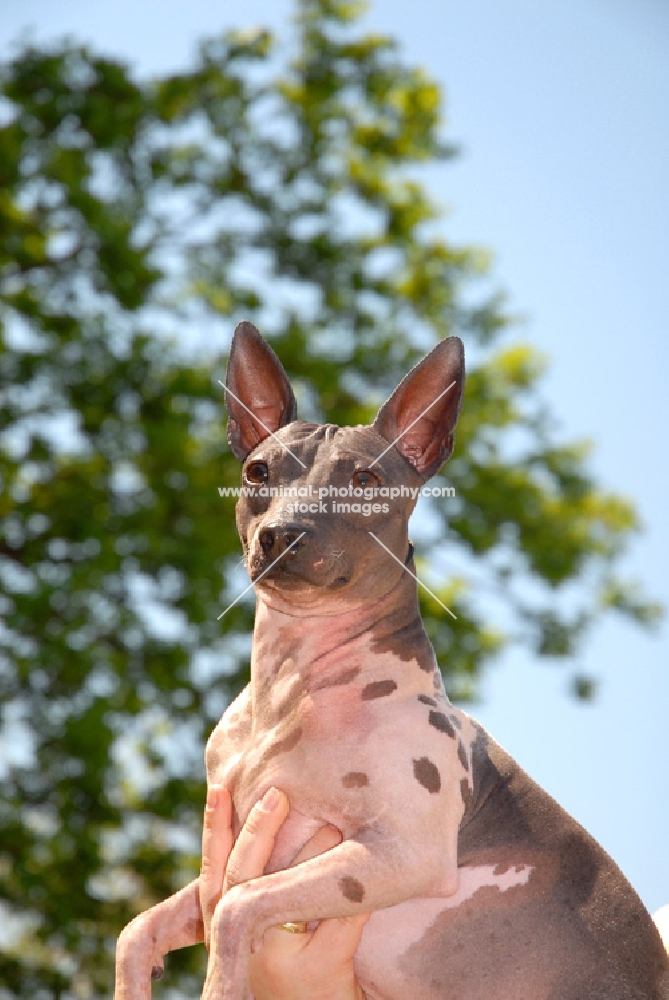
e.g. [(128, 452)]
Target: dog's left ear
[(421, 414), (258, 394)]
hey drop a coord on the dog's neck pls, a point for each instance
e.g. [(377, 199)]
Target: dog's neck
[(333, 649)]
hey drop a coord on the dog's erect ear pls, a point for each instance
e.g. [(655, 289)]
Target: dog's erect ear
[(421, 414), (260, 399)]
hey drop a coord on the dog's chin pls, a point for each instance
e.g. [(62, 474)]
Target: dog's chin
[(307, 582)]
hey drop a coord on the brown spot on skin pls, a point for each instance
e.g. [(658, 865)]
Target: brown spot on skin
[(378, 689), (440, 722), (427, 774), (290, 701), (402, 634), (465, 793), (462, 755), (280, 746), (157, 972), (338, 681), (456, 722), (352, 889), (501, 868), (425, 699), (355, 779), (284, 745)]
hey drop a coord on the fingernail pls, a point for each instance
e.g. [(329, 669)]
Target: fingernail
[(271, 799), (212, 797)]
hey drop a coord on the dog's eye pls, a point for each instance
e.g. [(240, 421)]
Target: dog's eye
[(364, 480), (256, 473)]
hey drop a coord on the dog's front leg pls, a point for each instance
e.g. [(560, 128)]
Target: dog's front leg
[(358, 876), (174, 923)]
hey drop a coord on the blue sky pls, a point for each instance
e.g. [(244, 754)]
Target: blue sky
[(562, 114)]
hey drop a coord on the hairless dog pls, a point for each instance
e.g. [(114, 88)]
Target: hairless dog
[(481, 887)]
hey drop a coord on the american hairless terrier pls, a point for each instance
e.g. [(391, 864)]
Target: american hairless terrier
[(480, 886)]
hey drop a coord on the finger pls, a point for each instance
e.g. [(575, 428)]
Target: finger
[(324, 840), (217, 840), (297, 965), (340, 936), (255, 842), (276, 968), (335, 939)]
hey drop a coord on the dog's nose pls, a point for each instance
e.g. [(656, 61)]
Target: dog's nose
[(277, 538)]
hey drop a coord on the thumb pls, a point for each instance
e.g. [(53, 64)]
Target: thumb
[(255, 842)]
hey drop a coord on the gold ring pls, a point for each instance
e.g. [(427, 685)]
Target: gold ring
[(293, 927)]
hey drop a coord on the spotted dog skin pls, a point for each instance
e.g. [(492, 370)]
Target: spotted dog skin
[(480, 886)]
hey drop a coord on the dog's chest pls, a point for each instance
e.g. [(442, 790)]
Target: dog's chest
[(339, 746), (316, 745)]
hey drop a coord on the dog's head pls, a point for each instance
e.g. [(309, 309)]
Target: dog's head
[(326, 507)]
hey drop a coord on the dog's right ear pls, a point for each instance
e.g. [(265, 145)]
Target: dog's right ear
[(258, 394)]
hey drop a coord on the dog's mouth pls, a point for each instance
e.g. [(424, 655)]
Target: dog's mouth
[(297, 571)]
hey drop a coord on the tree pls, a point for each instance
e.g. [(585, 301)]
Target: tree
[(134, 215)]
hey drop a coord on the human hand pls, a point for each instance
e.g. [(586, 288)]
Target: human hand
[(311, 965)]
